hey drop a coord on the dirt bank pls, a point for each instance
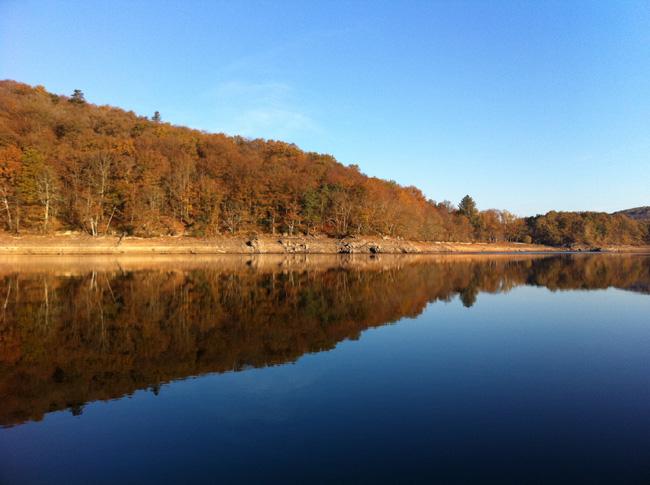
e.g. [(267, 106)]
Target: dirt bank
[(82, 244)]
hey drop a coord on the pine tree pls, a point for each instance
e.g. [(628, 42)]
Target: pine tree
[(467, 207), (78, 97)]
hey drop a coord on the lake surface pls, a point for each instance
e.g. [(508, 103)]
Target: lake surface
[(513, 369)]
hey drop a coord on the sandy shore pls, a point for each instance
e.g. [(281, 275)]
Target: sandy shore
[(82, 244)]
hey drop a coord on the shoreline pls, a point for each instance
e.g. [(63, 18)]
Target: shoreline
[(76, 265), (65, 244)]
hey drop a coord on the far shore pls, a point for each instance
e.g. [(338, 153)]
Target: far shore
[(62, 244)]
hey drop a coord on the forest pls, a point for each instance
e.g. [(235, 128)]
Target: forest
[(69, 165)]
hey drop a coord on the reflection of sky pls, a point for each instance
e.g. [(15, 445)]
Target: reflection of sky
[(532, 374)]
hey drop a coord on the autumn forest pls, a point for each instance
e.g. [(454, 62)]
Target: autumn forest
[(69, 165)]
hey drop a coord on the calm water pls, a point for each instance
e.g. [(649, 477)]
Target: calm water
[(323, 369)]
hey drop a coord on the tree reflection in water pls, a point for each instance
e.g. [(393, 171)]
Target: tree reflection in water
[(73, 332)]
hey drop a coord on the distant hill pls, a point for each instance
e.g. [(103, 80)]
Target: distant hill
[(637, 213)]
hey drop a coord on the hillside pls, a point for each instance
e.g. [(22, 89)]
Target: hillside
[(69, 165), (637, 213)]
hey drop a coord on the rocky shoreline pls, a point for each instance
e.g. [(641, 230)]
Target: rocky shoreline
[(82, 244)]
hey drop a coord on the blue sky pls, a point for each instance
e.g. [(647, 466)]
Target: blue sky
[(529, 106)]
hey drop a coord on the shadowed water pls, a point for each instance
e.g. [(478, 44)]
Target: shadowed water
[(528, 368)]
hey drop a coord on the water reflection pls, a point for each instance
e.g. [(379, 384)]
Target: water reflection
[(72, 332)]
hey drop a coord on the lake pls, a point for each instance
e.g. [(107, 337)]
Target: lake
[(270, 369)]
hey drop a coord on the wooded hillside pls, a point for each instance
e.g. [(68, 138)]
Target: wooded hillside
[(66, 164), (637, 213)]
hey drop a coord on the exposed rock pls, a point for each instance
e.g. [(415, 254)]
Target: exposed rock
[(345, 247), (297, 246), (253, 244)]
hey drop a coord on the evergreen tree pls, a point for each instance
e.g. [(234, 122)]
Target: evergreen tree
[(78, 97), (467, 207)]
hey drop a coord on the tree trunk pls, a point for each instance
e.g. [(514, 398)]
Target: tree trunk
[(6, 204), (109, 221), (46, 215)]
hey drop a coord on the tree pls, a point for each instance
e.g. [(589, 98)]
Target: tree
[(514, 228), (156, 117), (99, 198), (467, 207), (37, 186), (314, 206), (78, 97), (9, 170), (341, 209), (490, 226)]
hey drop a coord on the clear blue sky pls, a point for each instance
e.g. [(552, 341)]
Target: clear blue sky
[(529, 106)]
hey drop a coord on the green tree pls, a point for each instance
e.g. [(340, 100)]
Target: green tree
[(467, 207), (78, 97), (10, 157), (314, 206), (37, 187)]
